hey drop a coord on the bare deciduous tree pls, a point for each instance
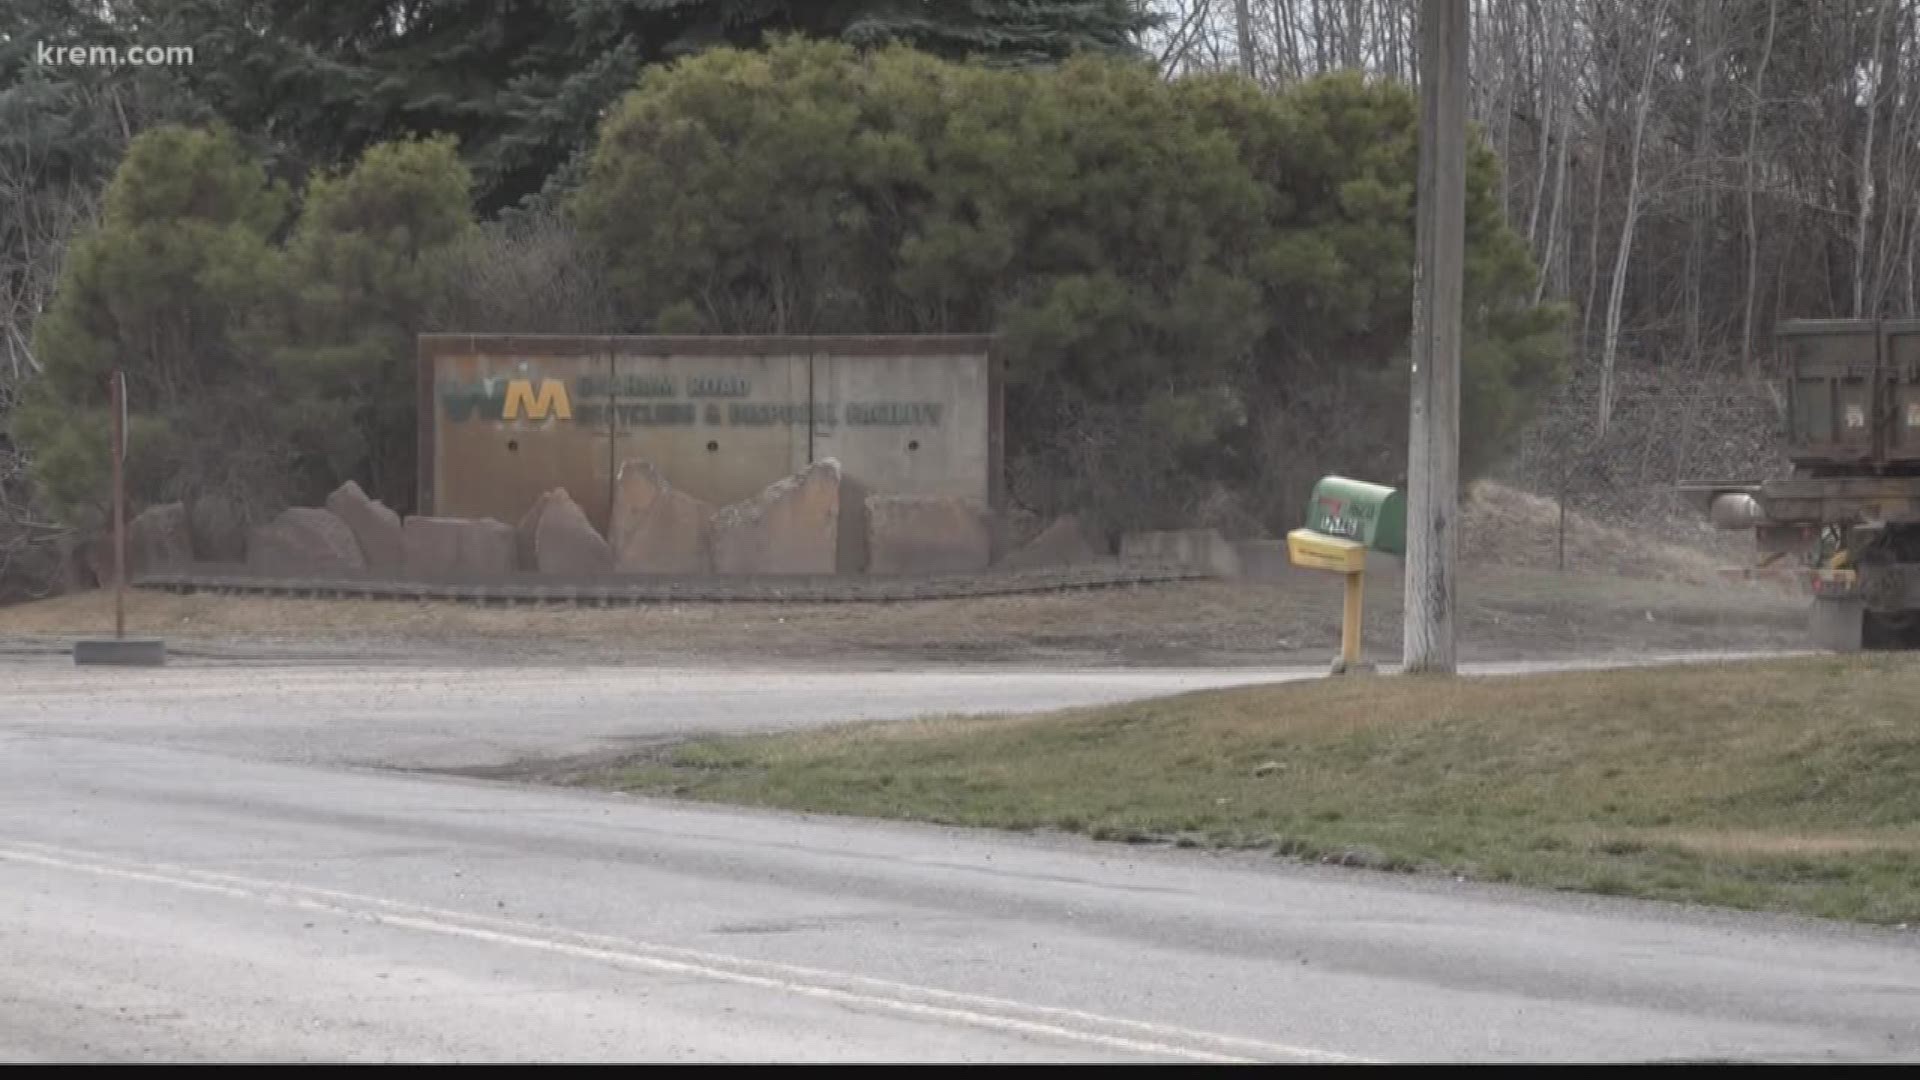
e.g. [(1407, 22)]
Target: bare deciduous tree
[(1688, 175)]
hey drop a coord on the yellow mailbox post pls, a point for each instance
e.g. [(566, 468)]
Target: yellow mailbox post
[(1345, 520)]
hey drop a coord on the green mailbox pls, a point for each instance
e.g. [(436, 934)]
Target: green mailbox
[(1370, 514)]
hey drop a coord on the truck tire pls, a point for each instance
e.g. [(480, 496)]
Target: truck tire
[(1891, 630)]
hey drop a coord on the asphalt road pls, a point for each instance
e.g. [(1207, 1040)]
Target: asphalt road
[(217, 862)]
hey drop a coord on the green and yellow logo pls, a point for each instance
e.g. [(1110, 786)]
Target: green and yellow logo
[(509, 399), (551, 400)]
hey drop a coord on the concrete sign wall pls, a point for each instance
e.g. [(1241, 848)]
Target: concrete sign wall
[(504, 418)]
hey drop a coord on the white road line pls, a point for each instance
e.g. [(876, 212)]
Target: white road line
[(968, 1009)]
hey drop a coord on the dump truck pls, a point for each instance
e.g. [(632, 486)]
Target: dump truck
[(1849, 509)]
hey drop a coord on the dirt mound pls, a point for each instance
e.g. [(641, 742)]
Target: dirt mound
[(1502, 526)]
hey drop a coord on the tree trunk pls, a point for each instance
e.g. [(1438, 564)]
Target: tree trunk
[(1554, 260), (1708, 62), (1543, 164), (1864, 203), (1243, 29), (1610, 345), (1752, 157)]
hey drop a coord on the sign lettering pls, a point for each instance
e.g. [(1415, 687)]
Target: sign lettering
[(761, 413), (718, 386), (597, 400), (655, 413), (900, 413)]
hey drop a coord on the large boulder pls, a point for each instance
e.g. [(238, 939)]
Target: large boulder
[(563, 541), (220, 525), (909, 534), (1066, 542), (439, 547), (375, 527), (158, 538), (74, 570), (1199, 549), (304, 542), (523, 533), (656, 529), (1013, 528), (809, 523), (46, 567)]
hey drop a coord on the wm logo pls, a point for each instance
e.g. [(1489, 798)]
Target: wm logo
[(519, 400), (551, 400)]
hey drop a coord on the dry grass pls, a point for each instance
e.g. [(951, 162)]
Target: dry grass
[(1503, 614), (1503, 526), (1741, 843), (1785, 785)]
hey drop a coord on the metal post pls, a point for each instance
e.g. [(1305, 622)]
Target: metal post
[(1350, 621), (120, 649), (1433, 452), (1560, 560), (118, 391)]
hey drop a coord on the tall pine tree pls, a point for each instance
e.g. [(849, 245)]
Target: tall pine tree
[(1005, 31), (522, 83)]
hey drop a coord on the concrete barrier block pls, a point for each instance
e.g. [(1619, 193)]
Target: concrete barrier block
[(121, 652), (1838, 625), (926, 535), (1200, 549), (458, 547), (1263, 560)]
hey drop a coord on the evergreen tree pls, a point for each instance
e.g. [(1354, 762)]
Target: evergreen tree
[(363, 267), (63, 128), (522, 83), (1180, 274), (1006, 31), (181, 260)]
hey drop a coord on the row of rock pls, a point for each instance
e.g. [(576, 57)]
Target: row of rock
[(356, 533), (819, 521)]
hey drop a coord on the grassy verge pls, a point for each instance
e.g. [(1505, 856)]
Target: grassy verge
[(1791, 785)]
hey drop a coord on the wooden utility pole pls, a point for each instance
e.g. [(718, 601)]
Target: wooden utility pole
[(1433, 450)]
